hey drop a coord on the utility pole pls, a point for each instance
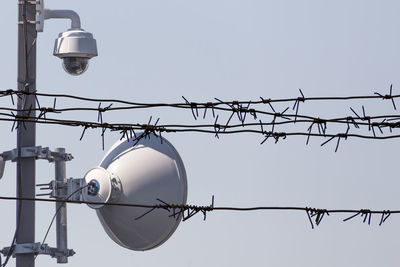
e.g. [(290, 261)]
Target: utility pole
[(26, 131)]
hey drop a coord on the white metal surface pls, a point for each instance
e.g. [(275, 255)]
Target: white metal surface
[(75, 43), (61, 208), (42, 14), (150, 173), (64, 14), (103, 177)]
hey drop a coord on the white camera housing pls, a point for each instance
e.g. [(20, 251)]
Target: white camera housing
[(75, 47)]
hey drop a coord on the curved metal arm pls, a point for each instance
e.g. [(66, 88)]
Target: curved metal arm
[(64, 14)]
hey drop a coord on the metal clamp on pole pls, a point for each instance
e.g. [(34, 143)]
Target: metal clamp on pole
[(36, 152), (60, 187), (63, 190), (37, 248)]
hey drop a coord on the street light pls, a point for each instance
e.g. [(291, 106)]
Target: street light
[(75, 46)]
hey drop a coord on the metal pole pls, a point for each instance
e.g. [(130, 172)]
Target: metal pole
[(26, 131), (61, 219)]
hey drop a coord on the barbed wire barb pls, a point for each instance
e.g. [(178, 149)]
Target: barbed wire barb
[(317, 213), (83, 133), (389, 96), (367, 215), (103, 130), (37, 100), (307, 210), (297, 104), (217, 127), (9, 92), (193, 106), (330, 139), (385, 216)]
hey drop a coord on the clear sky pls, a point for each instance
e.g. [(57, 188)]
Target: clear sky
[(157, 51)]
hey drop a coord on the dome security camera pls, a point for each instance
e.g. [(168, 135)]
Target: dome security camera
[(75, 47)]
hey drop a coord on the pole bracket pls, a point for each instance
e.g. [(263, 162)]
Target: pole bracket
[(43, 14), (36, 152), (36, 248), (64, 190)]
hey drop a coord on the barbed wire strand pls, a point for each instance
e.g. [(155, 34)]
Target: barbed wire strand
[(235, 107), (215, 129), (203, 105), (315, 215)]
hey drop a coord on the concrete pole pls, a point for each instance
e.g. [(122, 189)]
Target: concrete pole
[(26, 132), (61, 219)]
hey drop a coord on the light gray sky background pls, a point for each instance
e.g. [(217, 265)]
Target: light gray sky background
[(157, 51)]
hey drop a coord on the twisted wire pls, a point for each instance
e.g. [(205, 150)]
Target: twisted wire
[(316, 126), (177, 211)]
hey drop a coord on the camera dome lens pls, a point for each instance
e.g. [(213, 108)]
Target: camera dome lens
[(75, 65)]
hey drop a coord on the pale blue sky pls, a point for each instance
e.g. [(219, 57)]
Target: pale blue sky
[(157, 51)]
